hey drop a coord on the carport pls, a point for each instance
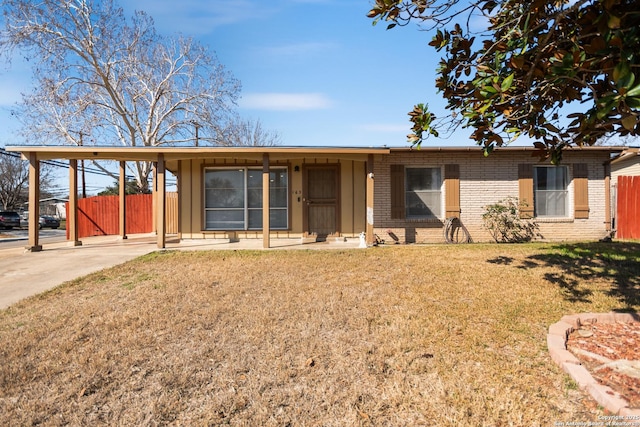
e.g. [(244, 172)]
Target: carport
[(172, 159)]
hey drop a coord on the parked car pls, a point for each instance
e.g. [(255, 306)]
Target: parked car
[(49, 222), (9, 220)]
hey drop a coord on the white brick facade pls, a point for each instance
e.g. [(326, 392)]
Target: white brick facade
[(484, 181)]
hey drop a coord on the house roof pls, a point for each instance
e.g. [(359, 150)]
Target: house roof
[(184, 153), (50, 152), (510, 148), (627, 154)]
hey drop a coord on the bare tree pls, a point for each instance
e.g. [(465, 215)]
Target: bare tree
[(102, 79), (617, 140), (248, 132), (14, 180)]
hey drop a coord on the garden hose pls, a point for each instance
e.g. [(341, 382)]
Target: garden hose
[(455, 232)]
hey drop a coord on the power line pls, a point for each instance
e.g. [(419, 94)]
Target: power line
[(60, 164)]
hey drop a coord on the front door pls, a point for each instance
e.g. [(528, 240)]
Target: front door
[(321, 200)]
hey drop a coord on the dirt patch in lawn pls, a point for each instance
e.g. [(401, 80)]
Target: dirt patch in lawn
[(402, 335)]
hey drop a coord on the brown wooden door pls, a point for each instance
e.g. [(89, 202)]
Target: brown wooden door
[(321, 200)]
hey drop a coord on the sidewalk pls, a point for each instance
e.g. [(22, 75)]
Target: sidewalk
[(23, 273)]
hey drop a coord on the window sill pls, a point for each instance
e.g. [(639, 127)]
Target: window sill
[(423, 220), (553, 220)]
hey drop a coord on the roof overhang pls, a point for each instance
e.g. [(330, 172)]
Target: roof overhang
[(242, 154), (508, 149), (190, 153), (628, 154)]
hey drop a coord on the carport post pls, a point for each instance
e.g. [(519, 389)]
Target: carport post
[(122, 197), (72, 214), (34, 203), (161, 201), (266, 226)]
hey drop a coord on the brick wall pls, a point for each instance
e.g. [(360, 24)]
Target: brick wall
[(484, 181)]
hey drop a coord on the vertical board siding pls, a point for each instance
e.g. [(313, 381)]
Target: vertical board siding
[(99, 216), (171, 216), (627, 224)]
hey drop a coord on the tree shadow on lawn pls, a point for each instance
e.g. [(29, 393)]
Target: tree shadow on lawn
[(585, 262)]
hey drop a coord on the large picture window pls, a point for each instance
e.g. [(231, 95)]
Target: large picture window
[(233, 199), (550, 191), (423, 192)]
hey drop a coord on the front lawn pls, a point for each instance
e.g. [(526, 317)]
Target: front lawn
[(394, 336)]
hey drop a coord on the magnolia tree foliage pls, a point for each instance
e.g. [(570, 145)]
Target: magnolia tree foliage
[(561, 72), (103, 79)]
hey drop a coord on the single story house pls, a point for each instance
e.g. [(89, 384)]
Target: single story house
[(626, 164), (324, 192), (52, 206)]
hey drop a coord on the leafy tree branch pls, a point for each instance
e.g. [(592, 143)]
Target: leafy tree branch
[(560, 72)]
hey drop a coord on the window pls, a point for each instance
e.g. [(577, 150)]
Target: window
[(550, 191), (233, 199), (423, 194)]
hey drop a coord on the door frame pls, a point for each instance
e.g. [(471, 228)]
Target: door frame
[(305, 192)]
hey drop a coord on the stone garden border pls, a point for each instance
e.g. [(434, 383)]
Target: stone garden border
[(557, 343)]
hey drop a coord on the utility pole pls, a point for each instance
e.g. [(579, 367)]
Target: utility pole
[(197, 126)]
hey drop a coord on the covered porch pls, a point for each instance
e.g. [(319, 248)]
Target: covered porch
[(349, 171)]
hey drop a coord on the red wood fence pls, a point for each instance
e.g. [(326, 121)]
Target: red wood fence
[(99, 216), (628, 207)]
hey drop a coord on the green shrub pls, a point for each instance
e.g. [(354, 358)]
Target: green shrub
[(503, 221)]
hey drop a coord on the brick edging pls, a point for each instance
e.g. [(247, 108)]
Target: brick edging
[(557, 343)]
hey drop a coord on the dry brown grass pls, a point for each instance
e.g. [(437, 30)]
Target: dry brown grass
[(415, 335)]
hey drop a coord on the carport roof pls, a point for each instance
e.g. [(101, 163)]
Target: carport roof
[(50, 152)]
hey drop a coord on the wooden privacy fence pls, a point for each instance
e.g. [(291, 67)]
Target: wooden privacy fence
[(628, 207), (100, 216)]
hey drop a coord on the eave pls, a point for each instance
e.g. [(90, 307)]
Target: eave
[(188, 153)]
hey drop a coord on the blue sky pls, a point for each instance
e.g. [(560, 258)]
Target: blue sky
[(316, 71)]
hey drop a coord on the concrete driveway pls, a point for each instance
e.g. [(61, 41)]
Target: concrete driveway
[(23, 274)]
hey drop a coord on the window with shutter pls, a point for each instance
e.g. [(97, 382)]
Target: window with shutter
[(550, 191), (416, 192), (423, 192)]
